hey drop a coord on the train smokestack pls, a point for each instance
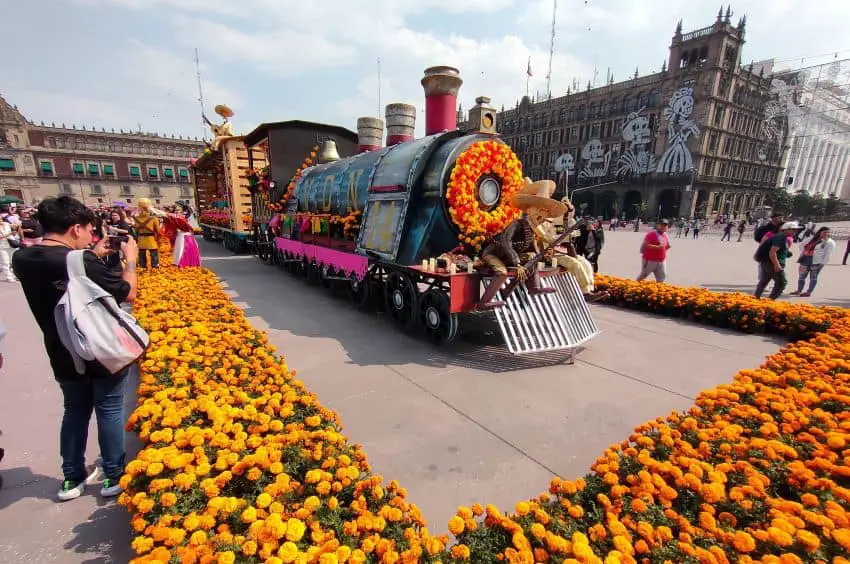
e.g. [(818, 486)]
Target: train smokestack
[(370, 133), (441, 86), (401, 121)]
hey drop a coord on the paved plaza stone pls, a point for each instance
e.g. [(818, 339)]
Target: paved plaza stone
[(456, 425)]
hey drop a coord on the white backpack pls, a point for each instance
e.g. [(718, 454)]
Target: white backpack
[(92, 325)]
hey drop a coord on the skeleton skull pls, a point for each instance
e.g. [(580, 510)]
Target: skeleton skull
[(637, 130), (593, 151)]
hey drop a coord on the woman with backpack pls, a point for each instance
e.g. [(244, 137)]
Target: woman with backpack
[(815, 253)]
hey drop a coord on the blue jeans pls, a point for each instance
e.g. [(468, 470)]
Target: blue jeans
[(812, 272), (104, 396), (143, 258)]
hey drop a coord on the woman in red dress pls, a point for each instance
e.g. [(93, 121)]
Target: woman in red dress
[(185, 252)]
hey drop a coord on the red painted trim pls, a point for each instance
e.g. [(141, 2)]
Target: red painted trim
[(396, 139), (389, 188), (440, 113), (366, 148)]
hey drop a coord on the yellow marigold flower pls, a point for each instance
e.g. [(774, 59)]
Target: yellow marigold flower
[(142, 544), (264, 500), (295, 530), (249, 515), (227, 557), (456, 525), (460, 552)]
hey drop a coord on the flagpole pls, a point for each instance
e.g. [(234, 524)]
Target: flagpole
[(527, 75)]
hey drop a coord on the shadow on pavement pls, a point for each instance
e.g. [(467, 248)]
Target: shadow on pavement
[(289, 303), (103, 537), (21, 483)]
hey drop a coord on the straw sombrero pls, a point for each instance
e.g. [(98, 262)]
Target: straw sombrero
[(539, 194), (224, 111)]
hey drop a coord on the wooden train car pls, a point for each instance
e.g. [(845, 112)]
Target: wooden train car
[(222, 191), (283, 147)]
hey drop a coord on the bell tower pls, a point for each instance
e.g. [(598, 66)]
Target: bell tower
[(716, 45)]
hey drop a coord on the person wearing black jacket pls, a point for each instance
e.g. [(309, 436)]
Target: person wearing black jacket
[(590, 242), (772, 226)]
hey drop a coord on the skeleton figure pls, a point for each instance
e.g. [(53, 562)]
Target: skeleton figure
[(680, 126), (596, 160), (636, 159), (521, 240)]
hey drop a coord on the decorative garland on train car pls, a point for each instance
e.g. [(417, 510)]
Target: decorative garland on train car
[(258, 179), (350, 224), (481, 159), (308, 162)]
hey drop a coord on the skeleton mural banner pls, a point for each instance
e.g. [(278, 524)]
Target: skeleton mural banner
[(637, 159), (596, 160), (680, 127)]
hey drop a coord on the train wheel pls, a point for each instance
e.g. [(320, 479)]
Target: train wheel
[(436, 317), (358, 291), (325, 272), (401, 296)]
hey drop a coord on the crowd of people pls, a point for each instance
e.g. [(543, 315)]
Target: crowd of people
[(775, 238)]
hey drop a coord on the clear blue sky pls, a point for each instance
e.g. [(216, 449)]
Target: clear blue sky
[(120, 63)]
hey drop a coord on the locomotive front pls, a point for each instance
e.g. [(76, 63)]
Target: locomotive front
[(420, 197)]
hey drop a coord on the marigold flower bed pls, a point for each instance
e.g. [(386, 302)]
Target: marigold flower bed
[(242, 463)]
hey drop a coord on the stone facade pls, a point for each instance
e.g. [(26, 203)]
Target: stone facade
[(684, 141), (96, 167)]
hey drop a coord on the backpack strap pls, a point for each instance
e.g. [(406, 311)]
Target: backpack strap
[(76, 264)]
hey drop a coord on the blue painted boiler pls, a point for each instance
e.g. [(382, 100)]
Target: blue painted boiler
[(401, 191)]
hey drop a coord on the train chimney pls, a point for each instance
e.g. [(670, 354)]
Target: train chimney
[(401, 121), (370, 133), (441, 85)]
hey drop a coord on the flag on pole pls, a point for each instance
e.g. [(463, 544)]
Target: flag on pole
[(528, 69)]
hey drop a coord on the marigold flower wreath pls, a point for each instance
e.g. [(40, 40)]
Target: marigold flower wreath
[(475, 222)]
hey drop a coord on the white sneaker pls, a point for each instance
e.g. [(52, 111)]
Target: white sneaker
[(71, 490), (110, 488)]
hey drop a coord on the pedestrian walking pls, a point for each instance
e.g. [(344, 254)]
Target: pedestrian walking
[(697, 227), (7, 234), (653, 252), (771, 255), (43, 270), (846, 253), (688, 225), (815, 254), (727, 231), (680, 227), (742, 226)]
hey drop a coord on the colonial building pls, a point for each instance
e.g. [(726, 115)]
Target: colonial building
[(685, 141), (37, 161)]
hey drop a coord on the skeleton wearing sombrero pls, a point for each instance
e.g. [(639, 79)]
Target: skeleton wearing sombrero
[(521, 240)]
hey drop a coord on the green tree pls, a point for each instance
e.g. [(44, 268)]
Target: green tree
[(801, 203), (832, 205), (781, 201)]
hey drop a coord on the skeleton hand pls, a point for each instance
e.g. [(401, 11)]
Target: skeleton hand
[(521, 273)]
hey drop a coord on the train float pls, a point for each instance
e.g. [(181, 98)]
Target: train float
[(397, 227)]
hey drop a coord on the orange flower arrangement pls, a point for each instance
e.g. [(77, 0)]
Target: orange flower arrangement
[(290, 188), (481, 158), (242, 463), (247, 218), (350, 224)]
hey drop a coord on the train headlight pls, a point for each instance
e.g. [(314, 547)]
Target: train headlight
[(489, 192)]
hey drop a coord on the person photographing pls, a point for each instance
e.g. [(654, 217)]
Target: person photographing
[(68, 225)]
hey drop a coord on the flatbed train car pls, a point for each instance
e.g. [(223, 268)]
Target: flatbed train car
[(382, 223), (222, 192)]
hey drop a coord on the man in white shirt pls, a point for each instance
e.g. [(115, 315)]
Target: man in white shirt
[(6, 231)]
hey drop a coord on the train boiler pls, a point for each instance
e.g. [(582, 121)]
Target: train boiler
[(401, 197)]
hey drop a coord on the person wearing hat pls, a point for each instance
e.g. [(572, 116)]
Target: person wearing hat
[(147, 228), (771, 256), (653, 252), (521, 240)]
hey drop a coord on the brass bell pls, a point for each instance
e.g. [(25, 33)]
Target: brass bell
[(328, 152)]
